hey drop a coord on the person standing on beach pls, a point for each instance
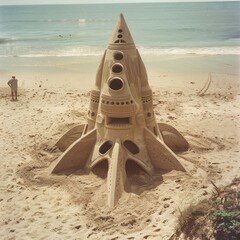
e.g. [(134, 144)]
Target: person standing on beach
[(13, 84)]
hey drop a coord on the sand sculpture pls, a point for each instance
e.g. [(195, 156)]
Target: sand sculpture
[(121, 125)]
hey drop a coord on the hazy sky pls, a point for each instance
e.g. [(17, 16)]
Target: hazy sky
[(20, 2)]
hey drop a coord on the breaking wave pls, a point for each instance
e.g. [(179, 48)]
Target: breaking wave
[(67, 20), (184, 51), (98, 51), (74, 52)]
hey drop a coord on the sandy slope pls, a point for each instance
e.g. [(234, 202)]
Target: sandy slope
[(37, 205)]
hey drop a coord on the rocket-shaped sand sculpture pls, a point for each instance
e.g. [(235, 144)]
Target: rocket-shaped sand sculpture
[(121, 125)]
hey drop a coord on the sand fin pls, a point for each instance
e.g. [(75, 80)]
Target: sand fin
[(172, 138), (116, 175), (161, 156), (70, 137), (77, 154)]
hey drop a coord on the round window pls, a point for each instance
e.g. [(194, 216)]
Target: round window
[(117, 68), (105, 147), (118, 56), (116, 84), (131, 147)]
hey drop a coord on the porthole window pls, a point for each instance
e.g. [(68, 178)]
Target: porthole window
[(118, 55), (116, 84), (119, 35), (120, 30), (117, 68), (131, 147), (105, 147)]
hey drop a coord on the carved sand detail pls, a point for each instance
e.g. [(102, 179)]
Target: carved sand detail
[(121, 123)]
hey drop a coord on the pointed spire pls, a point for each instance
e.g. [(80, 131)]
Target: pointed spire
[(121, 34)]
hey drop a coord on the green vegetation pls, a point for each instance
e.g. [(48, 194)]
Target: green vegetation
[(217, 218), (226, 224)]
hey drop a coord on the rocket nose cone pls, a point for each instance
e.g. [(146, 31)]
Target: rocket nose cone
[(121, 34)]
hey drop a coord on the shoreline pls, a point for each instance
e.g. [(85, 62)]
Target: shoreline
[(180, 69)]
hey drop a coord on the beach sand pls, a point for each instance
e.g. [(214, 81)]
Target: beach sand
[(54, 96)]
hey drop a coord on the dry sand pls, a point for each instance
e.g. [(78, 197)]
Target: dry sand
[(37, 205)]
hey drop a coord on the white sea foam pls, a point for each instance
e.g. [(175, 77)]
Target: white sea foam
[(73, 52), (82, 20), (184, 51), (78, 52), (98, 51)]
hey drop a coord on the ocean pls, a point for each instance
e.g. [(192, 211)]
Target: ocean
[(84, 30)]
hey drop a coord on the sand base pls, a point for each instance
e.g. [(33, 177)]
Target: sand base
[(37, 205)]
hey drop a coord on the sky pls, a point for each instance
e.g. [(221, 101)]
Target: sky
[(30, 2)]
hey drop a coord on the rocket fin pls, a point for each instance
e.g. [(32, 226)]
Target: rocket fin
[(116, 175), (77, 154), (161, 156), (172, 138), (70, 137)]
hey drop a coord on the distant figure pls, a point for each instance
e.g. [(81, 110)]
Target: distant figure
[(13, 84)]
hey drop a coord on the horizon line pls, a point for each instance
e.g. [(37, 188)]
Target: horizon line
[(98, 3)]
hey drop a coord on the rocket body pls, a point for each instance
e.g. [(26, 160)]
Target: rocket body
[(121, 124)]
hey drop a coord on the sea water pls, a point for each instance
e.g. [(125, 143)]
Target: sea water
[(84, 30)]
